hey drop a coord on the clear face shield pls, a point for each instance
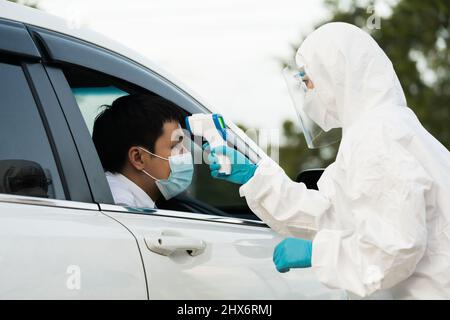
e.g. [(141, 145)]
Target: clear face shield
[(315, 136)]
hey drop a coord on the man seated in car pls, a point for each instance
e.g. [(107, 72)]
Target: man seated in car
[(139, 141)]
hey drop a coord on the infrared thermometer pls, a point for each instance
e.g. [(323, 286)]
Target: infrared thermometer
[(212, 128)]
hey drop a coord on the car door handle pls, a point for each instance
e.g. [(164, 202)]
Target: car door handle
[(169, 242)]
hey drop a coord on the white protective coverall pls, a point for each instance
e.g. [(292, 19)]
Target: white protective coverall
[(380, 221)]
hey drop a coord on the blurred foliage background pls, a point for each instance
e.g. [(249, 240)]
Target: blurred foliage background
[(416, 37)]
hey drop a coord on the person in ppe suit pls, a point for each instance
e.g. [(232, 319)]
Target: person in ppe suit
[(379, 223)]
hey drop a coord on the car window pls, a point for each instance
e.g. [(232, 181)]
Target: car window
[(90, 101), (27, 164), (92, 89), (217, 193)]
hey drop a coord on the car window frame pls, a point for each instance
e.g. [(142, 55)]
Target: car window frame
[(57, 50), (23, 53), (98, 59), (64, 150)]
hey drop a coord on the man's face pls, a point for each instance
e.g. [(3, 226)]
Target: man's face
[(168, 144)]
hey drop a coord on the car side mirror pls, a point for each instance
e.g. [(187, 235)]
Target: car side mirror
[(310, 178)]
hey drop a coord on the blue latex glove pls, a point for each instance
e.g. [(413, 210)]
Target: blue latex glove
[(241, 167), (292, 253)]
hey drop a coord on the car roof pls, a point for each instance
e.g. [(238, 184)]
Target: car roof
[(39, 18)]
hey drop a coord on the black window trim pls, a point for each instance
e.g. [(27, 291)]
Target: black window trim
[(90, 162), (15, 40), (175, 215), (56, 131), (64, 150), (17, 47)]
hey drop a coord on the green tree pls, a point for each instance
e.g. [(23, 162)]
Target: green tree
[(416, 37)]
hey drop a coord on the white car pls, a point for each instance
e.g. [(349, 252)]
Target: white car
[(61, 236)]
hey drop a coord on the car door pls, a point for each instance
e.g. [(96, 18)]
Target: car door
[(210, 252), (191, 249), (55, 243)]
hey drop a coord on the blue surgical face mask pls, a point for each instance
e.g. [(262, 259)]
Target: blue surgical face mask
[(180, 178)]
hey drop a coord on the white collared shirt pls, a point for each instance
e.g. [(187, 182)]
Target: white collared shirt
[(126, 193)]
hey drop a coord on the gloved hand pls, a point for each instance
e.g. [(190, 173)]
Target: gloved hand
[(292, 253), (241, 167)]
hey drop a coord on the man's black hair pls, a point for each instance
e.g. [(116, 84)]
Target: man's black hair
[(132, 120)]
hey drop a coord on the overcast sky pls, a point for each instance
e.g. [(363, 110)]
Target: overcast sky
[(225, 50)]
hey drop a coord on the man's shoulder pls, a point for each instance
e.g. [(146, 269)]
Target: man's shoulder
[(121, 193)]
